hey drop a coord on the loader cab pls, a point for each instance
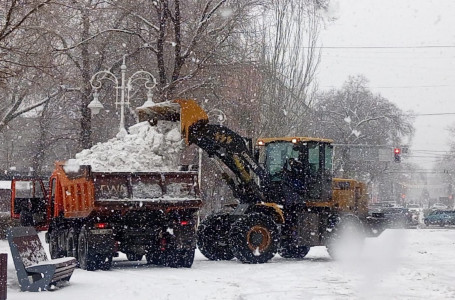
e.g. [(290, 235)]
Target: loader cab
[(301, 166), (29, 202)]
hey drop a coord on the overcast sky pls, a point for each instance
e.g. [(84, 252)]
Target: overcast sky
[(394, 48)]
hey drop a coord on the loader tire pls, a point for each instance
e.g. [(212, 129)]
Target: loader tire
[(254, 238), (293, 251), (213, 237)]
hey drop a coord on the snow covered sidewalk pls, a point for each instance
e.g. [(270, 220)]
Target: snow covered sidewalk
[(400, 264)]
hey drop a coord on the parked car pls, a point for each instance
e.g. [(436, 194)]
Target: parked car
[(394, 217), (439, 206), (413, 207), (416, 212), (374, 208), (440, 217)]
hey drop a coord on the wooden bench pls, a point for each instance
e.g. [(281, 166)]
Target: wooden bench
[(35, 271)]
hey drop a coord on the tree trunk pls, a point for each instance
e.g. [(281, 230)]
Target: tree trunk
[(86, 121)]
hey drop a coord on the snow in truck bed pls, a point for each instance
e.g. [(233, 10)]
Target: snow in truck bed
[(145, 149)]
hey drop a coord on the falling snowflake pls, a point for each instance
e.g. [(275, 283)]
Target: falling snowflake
[(226, 12), (356, 133), (347, 119)]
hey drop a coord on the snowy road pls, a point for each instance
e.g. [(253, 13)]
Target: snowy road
[(400, 264)]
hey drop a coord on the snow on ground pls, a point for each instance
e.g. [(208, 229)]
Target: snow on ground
[(399, 264), (145, 149)]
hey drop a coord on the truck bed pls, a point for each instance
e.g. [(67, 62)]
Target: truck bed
[(92, 193)]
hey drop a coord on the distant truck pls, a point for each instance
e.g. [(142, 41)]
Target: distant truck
[(94, 215)]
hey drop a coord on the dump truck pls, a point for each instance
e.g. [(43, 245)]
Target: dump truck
[(288, 200), (95, 215)]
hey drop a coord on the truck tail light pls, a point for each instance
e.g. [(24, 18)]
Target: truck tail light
[(101, 225)]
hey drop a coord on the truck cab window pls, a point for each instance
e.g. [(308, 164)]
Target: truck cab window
[(24, 189)]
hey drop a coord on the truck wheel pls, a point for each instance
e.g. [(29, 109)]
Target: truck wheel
[(293, 251), (54, 249), (254, 238), (155, 258), (71, 244), (133, 256), (213, 238), (104, 263), (86, 257), (180, 258)]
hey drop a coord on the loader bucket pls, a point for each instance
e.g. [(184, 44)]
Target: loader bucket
[(168, 111), (188, 112)]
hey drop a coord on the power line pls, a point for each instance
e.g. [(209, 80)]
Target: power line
[(400, 87), (386, 47), (421, 150), (433, 114), (411, 87)]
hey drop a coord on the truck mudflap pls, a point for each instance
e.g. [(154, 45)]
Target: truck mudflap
[(176, 245), (101, 240), (95, 248)]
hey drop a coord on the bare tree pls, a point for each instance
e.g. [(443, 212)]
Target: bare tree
[(289, 59), (14, 16), (184, 37), (354, 115), (19, 59)]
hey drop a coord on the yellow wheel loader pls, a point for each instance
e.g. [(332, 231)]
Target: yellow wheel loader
[(288, 200)]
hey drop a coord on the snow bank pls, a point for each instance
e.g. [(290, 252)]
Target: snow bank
[(146, 149)]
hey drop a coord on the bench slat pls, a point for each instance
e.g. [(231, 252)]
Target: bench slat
[(65, 270), (60, 277), (64, 261)]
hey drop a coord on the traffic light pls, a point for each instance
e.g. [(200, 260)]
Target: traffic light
[(396, 154)]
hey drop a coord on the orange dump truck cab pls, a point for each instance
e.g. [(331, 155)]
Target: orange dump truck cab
[(95, 215)]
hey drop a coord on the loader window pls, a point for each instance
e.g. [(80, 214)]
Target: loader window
[(278, 156), (328, 158), (313, 157)]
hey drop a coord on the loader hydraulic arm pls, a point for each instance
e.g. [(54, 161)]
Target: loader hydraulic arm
[(231, 148), (218, 140)]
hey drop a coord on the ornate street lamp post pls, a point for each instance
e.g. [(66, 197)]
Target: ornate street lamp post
[(125, 88)]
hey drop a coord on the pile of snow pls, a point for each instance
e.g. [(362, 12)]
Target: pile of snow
[(5, 185), (145, 149)]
